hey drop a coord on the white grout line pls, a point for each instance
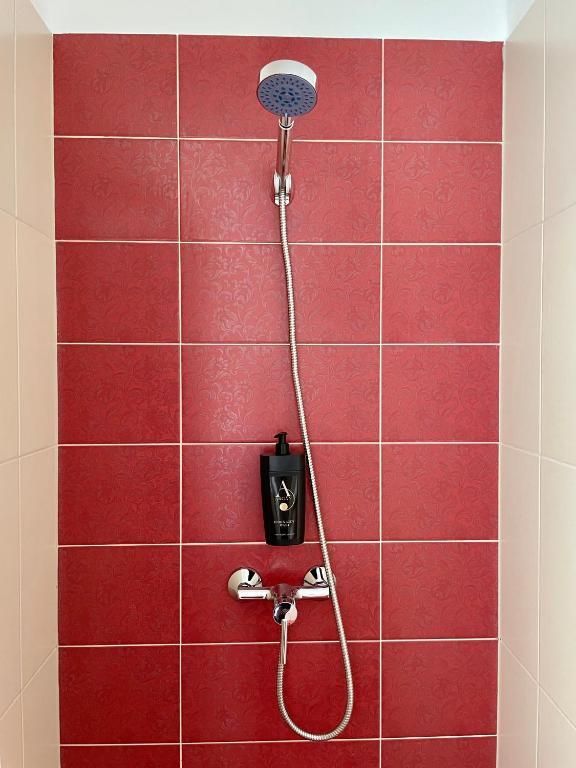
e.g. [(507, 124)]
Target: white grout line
[(181, 403), (386, 641), (265, 140), (255, 443), (380, 387), (539, 690), (219, 344), (309, 542), (276, 741), (317, 243)]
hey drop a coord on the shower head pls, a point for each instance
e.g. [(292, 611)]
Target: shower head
[(287, 88)]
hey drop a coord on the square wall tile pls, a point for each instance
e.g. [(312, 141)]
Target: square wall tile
[(520, 520), (139, 756), (236, 293), (119, 494), (40, 717), (10, 682), (115, 85), (330, 754), (7, 145), (116, 292), (119, 695), (518, 715), (442, 193), (557, 579), (439, 753), (439, 590), (123, 595), (11, 752), (8, 339), (244, 393), (215, 678), (439, 689), (347, 479), (558, 339), (440, 294), (118, 394), (439, 492), (521, 322), (349, 86), (440, 393), (556, 737), (34, 145), (116, 189), (523, 179), (36, 339), (210, 617), (559, 161), (442, 89), (226, 192), (39, 559)]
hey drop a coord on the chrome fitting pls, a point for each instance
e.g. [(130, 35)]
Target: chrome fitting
[(246, 584), (282, 176)]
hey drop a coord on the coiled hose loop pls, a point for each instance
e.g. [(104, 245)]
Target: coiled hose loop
[(322, 536)]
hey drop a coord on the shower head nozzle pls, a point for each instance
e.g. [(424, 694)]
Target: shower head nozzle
[(287, 88)]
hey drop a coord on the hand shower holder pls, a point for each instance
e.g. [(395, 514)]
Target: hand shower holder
[(282, 175)]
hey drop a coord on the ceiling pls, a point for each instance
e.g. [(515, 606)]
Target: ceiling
[(433, 19)]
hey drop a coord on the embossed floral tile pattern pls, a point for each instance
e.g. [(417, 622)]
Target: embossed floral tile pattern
[(440, 294), (210, 618), (230, 293), (442, 193), (127, 695), (141, 756), (244, 714), (174, 376), (127, 494), (439, 689), (439, 491), (439, 90), (116, 189), (219, 75), (115, 85), (118, 292), (234, 514), (439, 753), (334, 754), (119, 595), (226, 186)]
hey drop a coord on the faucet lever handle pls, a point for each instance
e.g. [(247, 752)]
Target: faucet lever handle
[(284, 641)]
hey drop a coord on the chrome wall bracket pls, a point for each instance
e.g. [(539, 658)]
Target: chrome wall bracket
[(284, 183), (282, 175)]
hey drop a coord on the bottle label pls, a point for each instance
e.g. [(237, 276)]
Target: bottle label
[(285, 498), (284, 491)]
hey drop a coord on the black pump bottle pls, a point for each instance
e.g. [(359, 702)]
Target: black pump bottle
[(283, 478)]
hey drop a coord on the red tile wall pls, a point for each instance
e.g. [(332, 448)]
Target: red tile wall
[(174, 377)]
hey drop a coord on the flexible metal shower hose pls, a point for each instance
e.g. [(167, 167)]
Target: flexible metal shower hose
[(322, 536)]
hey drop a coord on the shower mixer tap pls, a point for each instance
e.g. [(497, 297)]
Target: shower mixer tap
[(246, 584)]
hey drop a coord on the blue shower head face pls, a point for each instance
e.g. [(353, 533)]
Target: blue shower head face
[(287, 88)]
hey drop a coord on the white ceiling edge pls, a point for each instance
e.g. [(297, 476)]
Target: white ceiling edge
[(516, 10), (419, 19)]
